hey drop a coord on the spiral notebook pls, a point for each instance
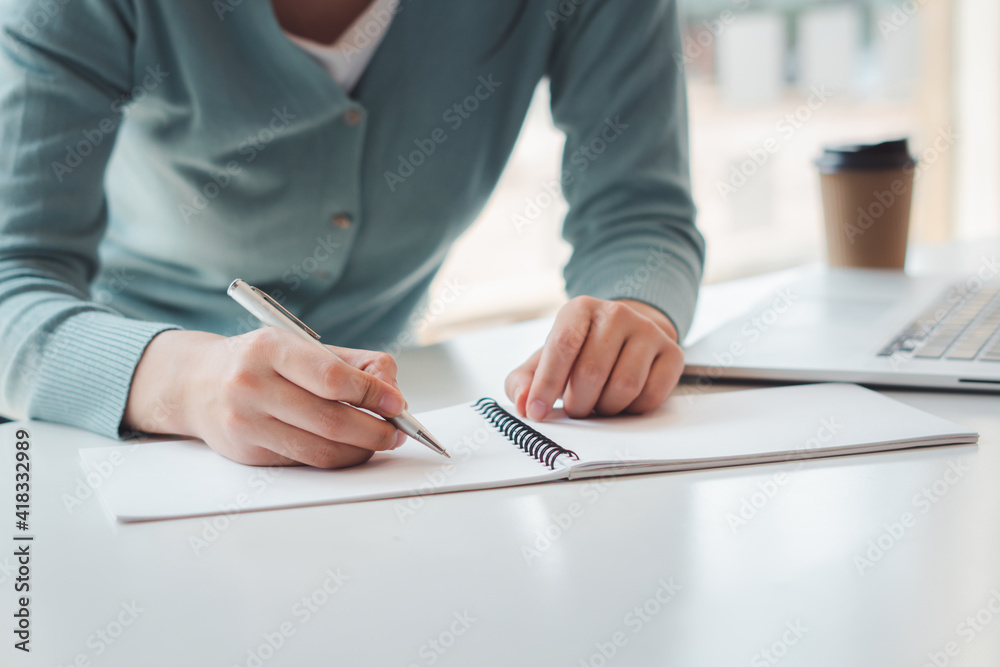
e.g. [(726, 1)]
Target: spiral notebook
[(491, 447)]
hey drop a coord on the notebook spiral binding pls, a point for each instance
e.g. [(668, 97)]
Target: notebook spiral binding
[(542, 448)]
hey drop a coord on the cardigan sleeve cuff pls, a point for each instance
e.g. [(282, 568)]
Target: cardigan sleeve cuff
[(85, 372), (664, 285)]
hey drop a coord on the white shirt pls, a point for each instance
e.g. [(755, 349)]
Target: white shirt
[(348, 57)]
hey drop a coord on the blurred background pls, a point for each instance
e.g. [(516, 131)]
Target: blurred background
[(795, 74)]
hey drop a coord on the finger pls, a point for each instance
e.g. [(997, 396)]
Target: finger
[(629, 376), (304, 447), (569, 333), (379, 364), (252, 455), (593, 367), (663, 377), (326, 375), (519, 381), (330, 420)]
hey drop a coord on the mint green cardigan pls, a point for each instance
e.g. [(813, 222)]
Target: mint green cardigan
[(151, 151)]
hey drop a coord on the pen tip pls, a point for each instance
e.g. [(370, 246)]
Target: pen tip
[(430, 439)]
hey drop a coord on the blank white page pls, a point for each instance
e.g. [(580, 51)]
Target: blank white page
[(802, 421), (186, 478)]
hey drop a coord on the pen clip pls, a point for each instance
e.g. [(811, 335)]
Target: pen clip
[(285, 311)]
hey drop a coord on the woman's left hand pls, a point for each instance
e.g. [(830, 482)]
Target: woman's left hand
[(601, 356)]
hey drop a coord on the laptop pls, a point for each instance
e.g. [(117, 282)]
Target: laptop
[(867, 326)]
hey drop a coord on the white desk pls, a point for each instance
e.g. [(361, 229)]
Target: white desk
[(451, 585)]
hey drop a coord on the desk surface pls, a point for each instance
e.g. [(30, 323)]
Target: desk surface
[(885, 559)]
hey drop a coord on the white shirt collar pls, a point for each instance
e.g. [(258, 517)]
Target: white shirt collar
[(348, 57)]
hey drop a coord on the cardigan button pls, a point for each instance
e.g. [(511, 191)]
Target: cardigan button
[(341, 221), (352, 117)]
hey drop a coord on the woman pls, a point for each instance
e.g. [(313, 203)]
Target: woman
[(153, 151)]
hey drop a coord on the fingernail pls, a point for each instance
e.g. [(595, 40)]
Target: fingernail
[(400, 439), (537, 411), (391, 404)]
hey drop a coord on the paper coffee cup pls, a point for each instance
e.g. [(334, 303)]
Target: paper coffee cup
[(867, 190)]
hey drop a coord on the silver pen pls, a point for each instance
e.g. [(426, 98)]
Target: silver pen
[(273, 314)]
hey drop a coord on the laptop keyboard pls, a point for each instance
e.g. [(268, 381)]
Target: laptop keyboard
[(960, 326)]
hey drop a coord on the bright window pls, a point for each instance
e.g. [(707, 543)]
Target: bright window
[(769, 83)]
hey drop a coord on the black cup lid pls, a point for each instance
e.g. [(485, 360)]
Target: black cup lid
[(893, 154)]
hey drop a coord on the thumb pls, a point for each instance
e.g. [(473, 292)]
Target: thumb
[(374, 394), (519, 382)]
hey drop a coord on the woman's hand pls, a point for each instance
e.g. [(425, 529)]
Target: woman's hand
[(267, 397), (606, 357)]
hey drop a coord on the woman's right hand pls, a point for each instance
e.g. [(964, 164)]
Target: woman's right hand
[(267, 397)]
